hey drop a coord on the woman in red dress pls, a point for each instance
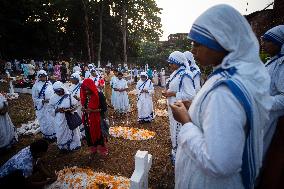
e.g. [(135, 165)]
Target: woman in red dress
[(93, 112)]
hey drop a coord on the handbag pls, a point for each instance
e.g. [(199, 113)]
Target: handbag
[(73, 118), (104, 127)]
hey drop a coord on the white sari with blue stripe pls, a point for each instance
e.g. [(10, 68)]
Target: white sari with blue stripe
[(144, 100), (182, 84), (222, 146)]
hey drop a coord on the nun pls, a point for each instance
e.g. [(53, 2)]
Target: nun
[(273, 44), (220, 141), (8, 134), (42, 91), (180, 86), (61, 102), (74, 91), (145, 91)]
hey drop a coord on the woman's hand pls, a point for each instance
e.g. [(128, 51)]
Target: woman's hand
[(180, 112), (187, 103), (61, 110), (168, 94), (76, 97)]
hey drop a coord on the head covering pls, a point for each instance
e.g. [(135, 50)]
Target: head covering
[(191, 61), (76, 75), (189, 57), (178, 58), (41, 73), (94, 103), (223, 28), (143, 74), (59, 85), (90, 65), (275, 35)]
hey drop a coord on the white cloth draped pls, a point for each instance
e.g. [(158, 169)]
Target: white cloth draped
[(8, 133), (275, 69), (46, 121), (144, 100), (211, 146), (121, 102), (74, 90), (66, 138), (113, 93), (185, 92)]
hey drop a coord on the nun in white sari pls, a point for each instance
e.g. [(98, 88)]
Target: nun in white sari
[(121, 102), (180, 86), (220, 142), (74, 91), (145, 91), (61, 101), (8, 134), (273, 43), (41, 93)]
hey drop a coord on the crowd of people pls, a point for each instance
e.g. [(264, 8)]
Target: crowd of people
[(220, 131)]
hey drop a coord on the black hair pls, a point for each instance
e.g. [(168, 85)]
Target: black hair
[(38, 146), (120, 73)]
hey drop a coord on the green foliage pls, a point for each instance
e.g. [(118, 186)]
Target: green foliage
[(56, 28)]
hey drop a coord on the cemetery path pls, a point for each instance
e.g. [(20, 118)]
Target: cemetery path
[(120, 160)]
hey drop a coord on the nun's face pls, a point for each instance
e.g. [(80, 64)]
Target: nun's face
[(206, 56), (143, 77), (269, 47), (42, 78)]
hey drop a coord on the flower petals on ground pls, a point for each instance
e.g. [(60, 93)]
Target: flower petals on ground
[(76, 178), (161, 113), (131, 133)]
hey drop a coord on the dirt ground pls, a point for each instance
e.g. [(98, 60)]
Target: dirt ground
[(120, 160)]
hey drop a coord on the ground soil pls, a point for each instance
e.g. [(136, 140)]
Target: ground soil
[(120, 160)]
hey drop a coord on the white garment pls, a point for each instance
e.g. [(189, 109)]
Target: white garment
[(74, 90), (211, 156), (76, 69), (8, 133), (113, 93), (155, 78), (46, 121), (211, 147), (87, 74), (66, 139), (144, 100), (121, 102), (276, 72), (184, 91), (163, 78)]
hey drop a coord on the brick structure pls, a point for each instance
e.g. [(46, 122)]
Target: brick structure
[(263, 20)]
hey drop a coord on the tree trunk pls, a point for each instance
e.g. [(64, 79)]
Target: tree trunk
[(92, 39), (124, 30), (86, 18), (101, 33)]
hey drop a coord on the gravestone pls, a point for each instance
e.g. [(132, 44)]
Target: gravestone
[(139, 178)]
